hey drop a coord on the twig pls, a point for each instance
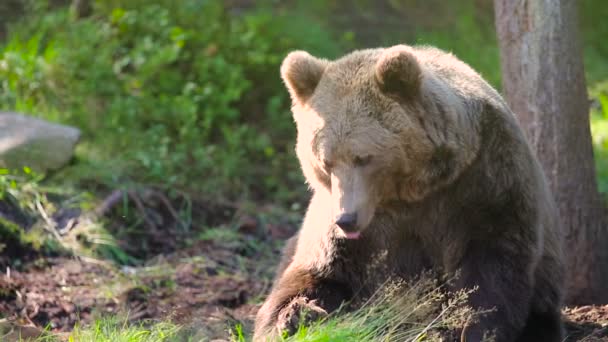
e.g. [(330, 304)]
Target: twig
[(138, 199), (430, 325), (139, 310), (206, 200), (169, 207), (142, 210), (109, 202), (50, 225)]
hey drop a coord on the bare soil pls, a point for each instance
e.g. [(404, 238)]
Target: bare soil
[(205, 286)]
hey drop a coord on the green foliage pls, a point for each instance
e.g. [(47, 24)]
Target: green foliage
[(23, 190), (183, 95), (471, 37), (594, 32), (599, 131), (466, 27), (10, 234)]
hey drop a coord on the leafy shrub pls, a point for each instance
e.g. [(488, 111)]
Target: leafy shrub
[(186, 95), (599, 130)]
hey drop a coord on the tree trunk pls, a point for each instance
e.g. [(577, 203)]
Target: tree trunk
[(544, 83)]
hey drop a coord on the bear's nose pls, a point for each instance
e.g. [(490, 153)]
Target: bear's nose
[(347, 222)]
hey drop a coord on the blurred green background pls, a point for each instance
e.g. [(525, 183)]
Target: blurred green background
[(187, 95)]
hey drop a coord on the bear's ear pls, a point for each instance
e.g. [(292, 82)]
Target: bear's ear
[(398, 73), (301, 73)]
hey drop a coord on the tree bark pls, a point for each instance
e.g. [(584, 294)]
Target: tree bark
[(544, 83)]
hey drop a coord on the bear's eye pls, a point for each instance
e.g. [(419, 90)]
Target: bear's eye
[(328, 165), (362, 161)]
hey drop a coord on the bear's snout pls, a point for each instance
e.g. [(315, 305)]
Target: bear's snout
[(347, 222)]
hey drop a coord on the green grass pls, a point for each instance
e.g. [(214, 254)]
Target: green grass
[(115, 330), (399, 312), (414, 312)]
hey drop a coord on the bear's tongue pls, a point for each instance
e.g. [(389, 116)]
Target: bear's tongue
[(352, 235)]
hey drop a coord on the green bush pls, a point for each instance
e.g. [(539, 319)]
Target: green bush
[(186, 95), (599, 131)]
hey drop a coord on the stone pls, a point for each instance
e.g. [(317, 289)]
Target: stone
[(31, 142)]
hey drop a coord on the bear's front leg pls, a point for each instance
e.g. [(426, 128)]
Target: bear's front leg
[(504, 287), (298, 298)]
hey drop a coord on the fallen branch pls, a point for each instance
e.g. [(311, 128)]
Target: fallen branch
[(109, 202), (142, 210)]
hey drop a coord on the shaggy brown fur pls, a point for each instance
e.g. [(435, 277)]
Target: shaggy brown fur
[(432, 166)]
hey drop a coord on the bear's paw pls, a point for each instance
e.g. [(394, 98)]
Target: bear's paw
[(301, 311)]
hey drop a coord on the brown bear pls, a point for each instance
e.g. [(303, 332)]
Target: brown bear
[(409, 152)]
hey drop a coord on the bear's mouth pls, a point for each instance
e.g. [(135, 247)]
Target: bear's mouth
[(352, 235)]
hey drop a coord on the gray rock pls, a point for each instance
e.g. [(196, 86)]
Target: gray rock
[(35, 143)]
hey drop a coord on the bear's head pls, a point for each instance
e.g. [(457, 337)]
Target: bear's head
[(373, 127)]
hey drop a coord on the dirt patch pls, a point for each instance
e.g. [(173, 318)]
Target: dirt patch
[(56, 296), (208, 286)]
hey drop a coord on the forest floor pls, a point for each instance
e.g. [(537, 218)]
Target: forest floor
[(210, 286)]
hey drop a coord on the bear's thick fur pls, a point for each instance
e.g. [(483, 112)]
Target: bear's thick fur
[(412, 154)]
